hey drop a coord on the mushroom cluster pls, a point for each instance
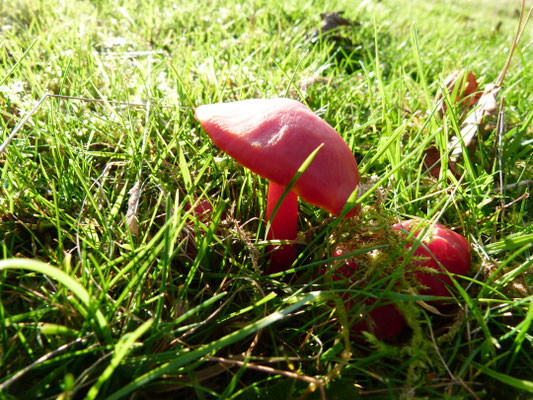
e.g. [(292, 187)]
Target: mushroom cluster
[(273, 138)]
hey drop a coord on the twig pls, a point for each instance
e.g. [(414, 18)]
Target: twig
[(127, 54), (257, 336), (398, 389), (513, 185), (502, 207), (40, 360), (194, 327), (454, 378), (269, 370), (114, 102)]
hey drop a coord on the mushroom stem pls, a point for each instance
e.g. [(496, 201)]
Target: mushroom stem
[(284, 226)]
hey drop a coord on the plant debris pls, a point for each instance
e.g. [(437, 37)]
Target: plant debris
[(463, 89), (462, 86), (487, 105), (133, 207), (331, 21)]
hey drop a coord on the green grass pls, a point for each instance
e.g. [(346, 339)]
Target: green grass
[(93, 306)]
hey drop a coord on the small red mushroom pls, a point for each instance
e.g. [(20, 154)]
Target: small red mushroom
[(385, 321), (273, 138), (442, 248)]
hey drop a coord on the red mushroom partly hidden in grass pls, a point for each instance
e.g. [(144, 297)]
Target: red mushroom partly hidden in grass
[(385, 321), (447, 249), (273, 138)]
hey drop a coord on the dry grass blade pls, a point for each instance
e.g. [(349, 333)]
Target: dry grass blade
[(487, 104), (133, 206), (313, 382), (450, 373), (22, 123), (40, 360), (135, 191), (519, 31)]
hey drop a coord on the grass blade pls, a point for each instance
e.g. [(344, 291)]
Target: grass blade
[(212, 347), (520, 384), (78, 290), (122, 348)]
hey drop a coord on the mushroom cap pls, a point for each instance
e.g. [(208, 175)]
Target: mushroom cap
[(445, 249), (274, 137)]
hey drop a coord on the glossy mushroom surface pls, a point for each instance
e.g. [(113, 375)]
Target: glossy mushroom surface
[(442, 248), (273, 137)]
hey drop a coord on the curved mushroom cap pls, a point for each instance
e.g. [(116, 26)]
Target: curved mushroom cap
[(274, 137)]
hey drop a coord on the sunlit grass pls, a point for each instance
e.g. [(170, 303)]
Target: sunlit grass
[(111, 284)]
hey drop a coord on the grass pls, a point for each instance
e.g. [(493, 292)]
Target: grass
[(112, 287)]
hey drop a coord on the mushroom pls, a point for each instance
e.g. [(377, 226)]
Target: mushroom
[(273, 138), (385, 320), (442, 249)]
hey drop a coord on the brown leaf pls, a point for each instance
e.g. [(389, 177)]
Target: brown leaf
[(464, 85), (305, 83), (431, 160), (331, 21), (486, 105)]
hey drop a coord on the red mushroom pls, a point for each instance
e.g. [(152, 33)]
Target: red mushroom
[(273, 138), (443, 248), (385, 321)]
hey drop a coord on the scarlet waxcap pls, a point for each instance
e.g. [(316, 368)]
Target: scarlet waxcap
[(274, 137)]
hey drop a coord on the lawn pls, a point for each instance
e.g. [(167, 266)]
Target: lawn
[(113, 285)]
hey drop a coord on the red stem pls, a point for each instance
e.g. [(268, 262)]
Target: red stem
[(284, 227)]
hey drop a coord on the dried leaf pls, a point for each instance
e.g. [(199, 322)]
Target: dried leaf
[(133, 207), (486, 102), (464, 85), (425, 305), (333, 20), (343, 48), (305, 83), (309, 81), (486, 105), (431, 159), (330, 22), (428, 307)]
